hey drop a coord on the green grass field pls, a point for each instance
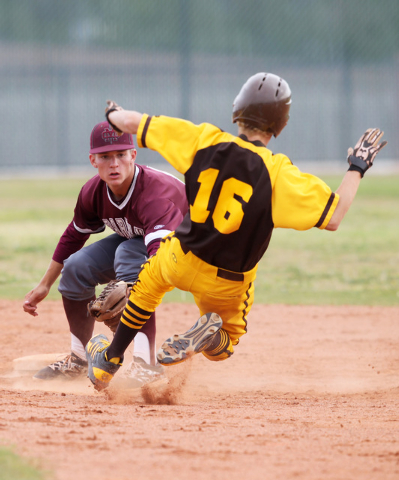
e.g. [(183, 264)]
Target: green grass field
[(358, 264), (14, 467)]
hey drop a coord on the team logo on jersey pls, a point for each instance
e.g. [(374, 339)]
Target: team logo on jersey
[(157, 227), (122, 227)]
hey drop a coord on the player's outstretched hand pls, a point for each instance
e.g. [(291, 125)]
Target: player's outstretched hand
[(34, 297), (362, 156), (113, 107)]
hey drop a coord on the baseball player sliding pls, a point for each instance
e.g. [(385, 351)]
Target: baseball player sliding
[(141, 205), (238, 192)]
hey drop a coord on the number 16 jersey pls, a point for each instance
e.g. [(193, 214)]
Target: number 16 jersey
[(238, 191)]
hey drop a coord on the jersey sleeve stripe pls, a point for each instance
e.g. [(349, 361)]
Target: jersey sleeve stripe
[(155, 236), (147, 123), (325, 212), (87, 230)]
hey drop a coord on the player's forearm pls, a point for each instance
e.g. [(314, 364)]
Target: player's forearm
[(126, 120), (347, 192), (40, 292), (51, 275)]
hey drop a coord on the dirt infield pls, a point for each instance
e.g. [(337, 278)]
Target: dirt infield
[(311, 393)]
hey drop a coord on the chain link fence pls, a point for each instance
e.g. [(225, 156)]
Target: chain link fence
[(60, 61)]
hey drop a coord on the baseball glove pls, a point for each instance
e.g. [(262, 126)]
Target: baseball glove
[(112, 107), (362, 156), (109, 305)]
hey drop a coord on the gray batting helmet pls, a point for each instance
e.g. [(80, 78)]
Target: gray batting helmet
[(263, 102)]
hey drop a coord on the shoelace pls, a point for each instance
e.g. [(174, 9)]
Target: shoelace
[(65, 363), (58, 365)]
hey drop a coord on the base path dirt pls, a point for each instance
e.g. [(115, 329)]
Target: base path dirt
[(311, 393)]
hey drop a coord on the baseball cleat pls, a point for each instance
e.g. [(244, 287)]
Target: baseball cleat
[(69, 368), (140, 373), (178, 348), (100, 370)]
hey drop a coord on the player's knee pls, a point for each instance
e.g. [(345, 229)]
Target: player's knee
[(129, 258), (70, 274), (76, 283), (72, 265), (221, 347)]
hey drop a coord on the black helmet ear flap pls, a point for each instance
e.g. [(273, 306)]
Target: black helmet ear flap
[(264, 103)]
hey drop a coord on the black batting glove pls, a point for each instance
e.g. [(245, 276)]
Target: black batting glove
[(362, 156)]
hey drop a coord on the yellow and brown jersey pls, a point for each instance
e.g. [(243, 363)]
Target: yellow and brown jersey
[(238, 191)]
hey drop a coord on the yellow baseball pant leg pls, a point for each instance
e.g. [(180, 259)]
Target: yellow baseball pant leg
[(231, 298), (172, 267)]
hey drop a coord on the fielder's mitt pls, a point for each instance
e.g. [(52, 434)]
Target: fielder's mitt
[(112, 107), (109, 305), (361, 157)]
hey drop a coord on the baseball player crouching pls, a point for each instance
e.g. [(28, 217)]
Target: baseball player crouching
[(141, 205)]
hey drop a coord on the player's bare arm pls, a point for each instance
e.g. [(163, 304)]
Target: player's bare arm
[(360, 159), (126, 121), (347, 192), (41, 291)]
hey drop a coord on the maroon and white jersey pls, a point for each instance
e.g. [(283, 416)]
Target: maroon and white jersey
[(153, 207)]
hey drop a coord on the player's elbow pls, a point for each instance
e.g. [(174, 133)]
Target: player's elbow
[(332, 226), (336, 219)]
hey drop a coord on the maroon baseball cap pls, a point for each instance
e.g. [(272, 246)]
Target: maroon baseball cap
[(104, 139)]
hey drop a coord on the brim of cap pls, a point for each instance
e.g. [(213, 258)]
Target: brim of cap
[(112, 148)]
